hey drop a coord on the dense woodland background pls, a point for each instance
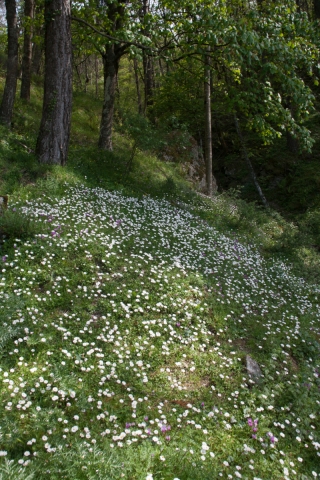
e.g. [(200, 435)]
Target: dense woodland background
[(229, 86)]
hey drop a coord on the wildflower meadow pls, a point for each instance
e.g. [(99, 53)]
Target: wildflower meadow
[(125, 327)]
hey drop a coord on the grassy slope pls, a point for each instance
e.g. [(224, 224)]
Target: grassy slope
[(126, 320)]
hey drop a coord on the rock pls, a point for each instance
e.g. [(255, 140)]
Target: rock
[(184, 149), (202, 185), (197, 169), (253, 370)]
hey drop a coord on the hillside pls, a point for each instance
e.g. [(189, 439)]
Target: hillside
[(130, 308)]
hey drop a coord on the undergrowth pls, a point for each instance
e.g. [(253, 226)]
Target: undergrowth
[(129, 306)]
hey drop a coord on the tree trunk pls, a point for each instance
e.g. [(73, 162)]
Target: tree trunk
[(148, 81), (27, 51), (6, 109), (316, 8), (39, 33), (111, 59), (211, 183), (147, 64), (136, 76), (54, 134), (96, 72), (110, 69), (161, 68), (292, 141), (87, 80), (37, 51), (246, 156)]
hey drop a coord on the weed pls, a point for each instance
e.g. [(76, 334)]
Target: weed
[(15, 224)]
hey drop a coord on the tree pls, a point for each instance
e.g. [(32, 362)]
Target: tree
[(265, 48), (120, 25), (137, 82), (273, 54), (111, 59), (249, 164), (316, 8), (147, 61), (38, 34), (53, 138), (208, 124), (6, 109), (109, 16), (27, 50)]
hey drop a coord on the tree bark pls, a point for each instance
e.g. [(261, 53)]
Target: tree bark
[(96, 71), (27, 51), (148, 81), (37, 52), (251, 170), (161, 68), (136, 76), (147, 65), (211, 183), (6, 109), (111, 60), (54, 134), (38, 34), (292, 141)]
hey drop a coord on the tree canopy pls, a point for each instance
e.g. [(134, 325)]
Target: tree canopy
[(264, 61)]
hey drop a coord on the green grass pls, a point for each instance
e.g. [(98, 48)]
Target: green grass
[(128, 304)]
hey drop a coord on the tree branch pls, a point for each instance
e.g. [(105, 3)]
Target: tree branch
[(152, 52), (111, 37)]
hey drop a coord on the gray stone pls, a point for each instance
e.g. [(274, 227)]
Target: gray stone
[(253, 370)]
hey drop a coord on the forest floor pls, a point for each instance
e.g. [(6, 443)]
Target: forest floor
[(130, 306)]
